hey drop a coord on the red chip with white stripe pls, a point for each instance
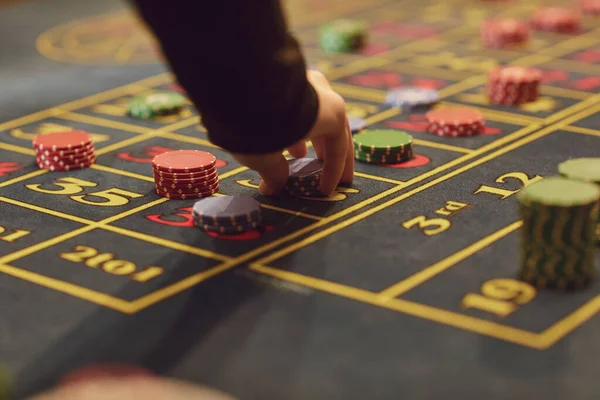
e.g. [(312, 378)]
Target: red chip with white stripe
[(455, 121), (57, 141), (557, 19)]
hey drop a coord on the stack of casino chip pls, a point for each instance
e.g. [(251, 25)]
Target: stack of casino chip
[(343, 36), (304, 177), (227, 214), (455, 122), (185, 174), (64, 151), (558, 234), (155, 104), (585, 169), (557, 19), (383, 146), (590, 7), (502, 33), (513, 85)]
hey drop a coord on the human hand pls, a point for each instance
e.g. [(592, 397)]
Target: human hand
[(330, 136), (131, 388)]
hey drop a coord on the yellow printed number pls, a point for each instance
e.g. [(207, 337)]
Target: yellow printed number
[(523, 179), (70, 186), (501, 297), (429, 227), (92, 258), (12, 237)]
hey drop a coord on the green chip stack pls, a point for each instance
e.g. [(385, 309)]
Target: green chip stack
[(558, 235), (586, 170), (383, 146), (343, 36), (156, 104)]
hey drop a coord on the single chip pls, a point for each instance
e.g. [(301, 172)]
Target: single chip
[(382, 141), (187, 196), (557, 19), (156, 104), (227, 210), (65, 157), (189, 185), (502, 33), (185, 190), (356, 124), (559, 192), (227, 230), (455, 121), (411, 97), (184, 161), (183, 176), (343, 36), (74, 152), (57, 141), (581, 169), (59, 162), (305, 169), (183, 182), (66, 166)]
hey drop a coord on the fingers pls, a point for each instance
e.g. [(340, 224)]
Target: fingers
[(298, 150), (348, 174), (334, 162), (273, 168)]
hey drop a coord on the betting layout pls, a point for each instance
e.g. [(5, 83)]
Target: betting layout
[(189, 174)]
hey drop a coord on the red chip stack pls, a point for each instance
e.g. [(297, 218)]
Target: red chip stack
[(513, 85), (556, 19), (501, 33), (64, 151), (590, 7), (185, 174), (455, 122)]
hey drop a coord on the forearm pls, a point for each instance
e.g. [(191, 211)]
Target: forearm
[(240, 67)]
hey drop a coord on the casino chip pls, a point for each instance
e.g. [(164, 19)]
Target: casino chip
[(585, 170), (227, 214), (558, 235), (185, 174), (305, 177), (156, 104), (557, 19), (343, 36), (590, 7), (513, 85), (411, 97), (383, 146), (455, 122), (356, 124), (502, 33), (64, 151)]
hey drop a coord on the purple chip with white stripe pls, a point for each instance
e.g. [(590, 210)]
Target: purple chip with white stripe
[(302, 169), (227, 210)]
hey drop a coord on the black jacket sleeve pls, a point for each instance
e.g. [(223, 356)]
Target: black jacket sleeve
[(241, 68)]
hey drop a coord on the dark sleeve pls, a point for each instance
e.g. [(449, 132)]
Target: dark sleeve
[(241, 68)]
